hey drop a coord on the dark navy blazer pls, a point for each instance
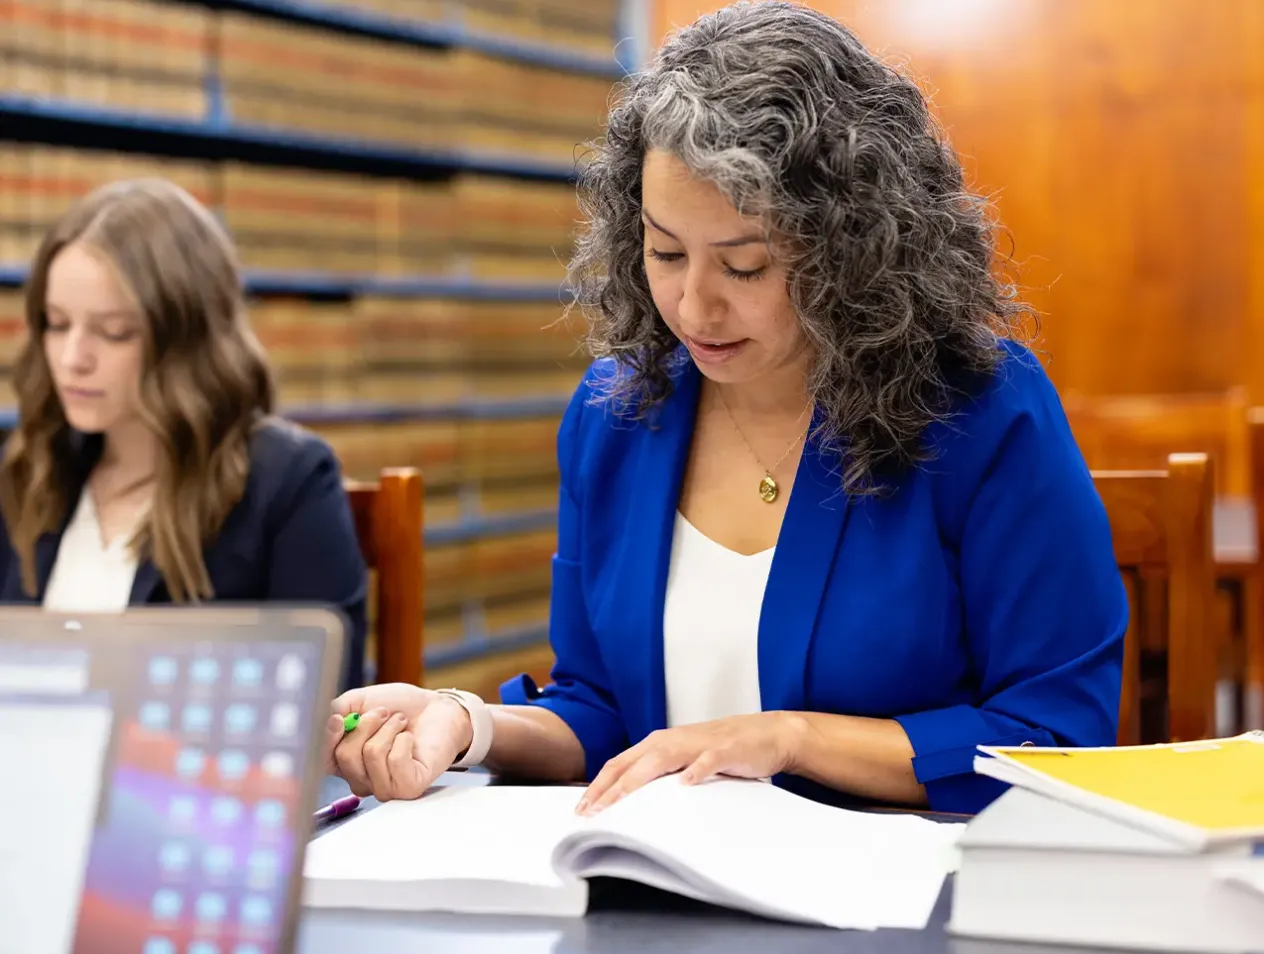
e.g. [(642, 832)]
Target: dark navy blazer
[(290, 539), (978, 603)]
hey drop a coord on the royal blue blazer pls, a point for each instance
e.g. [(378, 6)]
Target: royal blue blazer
[(978, 603), (290, 539)]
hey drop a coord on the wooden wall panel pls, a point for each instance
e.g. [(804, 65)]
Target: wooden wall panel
[(1125, 142)]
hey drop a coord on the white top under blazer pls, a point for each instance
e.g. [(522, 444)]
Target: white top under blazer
[(711, 628), (88, 576)]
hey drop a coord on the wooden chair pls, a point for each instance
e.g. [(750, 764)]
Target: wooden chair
[(1161, 523), (1139, 431), (1253, 580), (389, 523)]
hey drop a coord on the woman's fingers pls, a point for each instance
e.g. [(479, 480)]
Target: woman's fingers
[(408, 776), (349, 753), (377, 752), (333, 735)]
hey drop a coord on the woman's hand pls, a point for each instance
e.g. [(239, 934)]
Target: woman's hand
[(406, 738), (747, 746)]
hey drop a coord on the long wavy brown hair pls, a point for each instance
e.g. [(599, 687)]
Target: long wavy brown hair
[(205, 382)]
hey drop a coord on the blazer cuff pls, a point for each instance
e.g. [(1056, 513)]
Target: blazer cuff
[(945, 741), (600, 732)]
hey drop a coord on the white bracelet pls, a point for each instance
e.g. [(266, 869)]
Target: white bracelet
[(481, 719)]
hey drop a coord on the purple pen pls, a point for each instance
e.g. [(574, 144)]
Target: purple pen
[(343, 806)]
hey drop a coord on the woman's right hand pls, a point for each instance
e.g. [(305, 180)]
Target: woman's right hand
[(407, 737)]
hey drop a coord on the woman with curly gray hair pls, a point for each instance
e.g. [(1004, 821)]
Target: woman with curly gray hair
[(822, 518)]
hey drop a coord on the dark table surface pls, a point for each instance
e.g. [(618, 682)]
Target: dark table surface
[(622, 918)]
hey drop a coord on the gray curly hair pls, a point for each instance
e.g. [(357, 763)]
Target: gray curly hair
[(890, 259)]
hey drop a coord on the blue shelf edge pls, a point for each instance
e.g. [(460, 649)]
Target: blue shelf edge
[(224, 131), (472, 410), (478, 409), (478, 528), (426, 33), (480, 647), (262, 282)]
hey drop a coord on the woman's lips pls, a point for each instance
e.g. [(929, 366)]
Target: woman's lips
[(714, 352)]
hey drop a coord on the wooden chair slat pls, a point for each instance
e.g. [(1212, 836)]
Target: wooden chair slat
[(1161, 525), (389, 517)]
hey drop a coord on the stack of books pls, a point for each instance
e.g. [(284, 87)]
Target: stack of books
[(1157, 847)]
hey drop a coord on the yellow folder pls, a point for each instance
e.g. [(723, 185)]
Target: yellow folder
[(1201, 792)]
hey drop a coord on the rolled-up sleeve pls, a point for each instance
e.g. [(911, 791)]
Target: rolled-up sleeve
[(1045, 611), (580, 690)]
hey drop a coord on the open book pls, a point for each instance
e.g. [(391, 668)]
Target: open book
[(746, 845)]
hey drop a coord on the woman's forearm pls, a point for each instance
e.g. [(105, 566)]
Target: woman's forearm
[(534, 743), (872, 758)]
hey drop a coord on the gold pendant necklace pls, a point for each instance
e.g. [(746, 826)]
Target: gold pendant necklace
[(768, 487)]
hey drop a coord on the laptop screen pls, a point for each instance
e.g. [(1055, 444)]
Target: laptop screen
[(159, 781)]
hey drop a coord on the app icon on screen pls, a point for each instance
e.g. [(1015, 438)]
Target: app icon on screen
[(204, 671), (217, 862), (278, 765), (233, 764), (256, 911), (290, 673), (262, 868), (174, 856), (285, 719), (159, 945), (197, 717), (211, 908), (225, 810), (240, 719), (155, 716), (247, 673), (270, 813), (182, 809), (163, 670), (166, 904), (190, 763)]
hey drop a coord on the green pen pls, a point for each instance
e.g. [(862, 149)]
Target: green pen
[(350, 721)]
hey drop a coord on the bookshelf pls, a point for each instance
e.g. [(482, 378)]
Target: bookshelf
[(398, 177)]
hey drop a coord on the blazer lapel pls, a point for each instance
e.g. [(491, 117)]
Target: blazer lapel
[(144, 583), (46, 548), (651, 514), (811, 531)]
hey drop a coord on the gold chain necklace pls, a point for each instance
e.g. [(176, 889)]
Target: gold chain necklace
[(768, 487)]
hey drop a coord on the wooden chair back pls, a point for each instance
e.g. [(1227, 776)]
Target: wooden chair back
[(1137, 432), (389, 518), (1161, 523)]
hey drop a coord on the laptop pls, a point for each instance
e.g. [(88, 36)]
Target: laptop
[(158, 774)]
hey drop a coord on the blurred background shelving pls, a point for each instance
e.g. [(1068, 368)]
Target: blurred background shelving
[(398, 177)]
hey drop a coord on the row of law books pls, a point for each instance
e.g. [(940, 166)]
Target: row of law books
[(417, 350), (140, 55), (286, 219), (451, 453), (286, 77), (150, 57)]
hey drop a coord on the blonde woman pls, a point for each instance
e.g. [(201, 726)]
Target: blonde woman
[(146, 466)]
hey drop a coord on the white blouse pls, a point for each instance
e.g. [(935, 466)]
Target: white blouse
[(89, 577), (711, 628)]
